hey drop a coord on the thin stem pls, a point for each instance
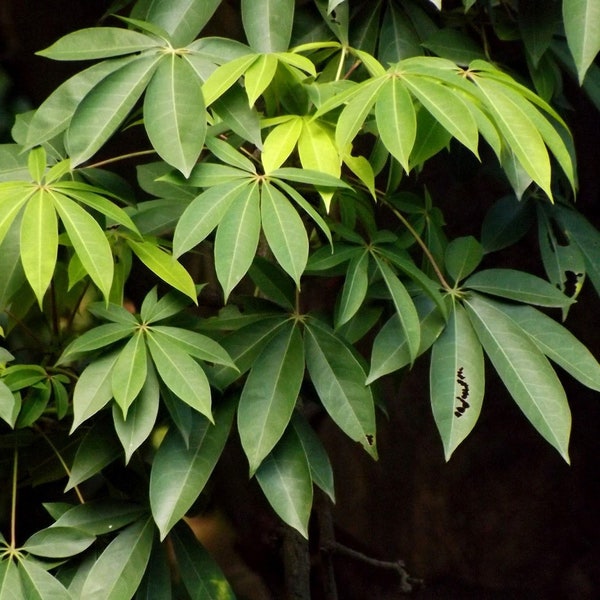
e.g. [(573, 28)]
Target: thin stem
[(13, 507), (20, 323), (338, 75), (114, 159), (54, 311), (78, 305), (62, 462)]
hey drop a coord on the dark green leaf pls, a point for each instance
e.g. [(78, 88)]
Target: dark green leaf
[(58, 542), (100, 516), (463, 256)]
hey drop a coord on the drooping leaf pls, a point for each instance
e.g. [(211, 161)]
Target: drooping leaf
[(180, 472), (339, 379), (174, 113), (270, 394), (524, 370), (120, 568), (582, 27), (285, 479), (268, 24), (156, 583), (456, 380)]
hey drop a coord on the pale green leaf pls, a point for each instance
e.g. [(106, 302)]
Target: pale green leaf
[(36, 163), (270, 394), (582, 26), (180, 472), (525, 371), (225, 152), (285, 479), (456, 380), (339, 379), (237, 239), (119, 570), (10, 405), (268, 24), (225, 76), (98, 42), (285, 231), (180, 373), (258, 76), (12, 200), (174, 113), (280, 143), (106, 106)]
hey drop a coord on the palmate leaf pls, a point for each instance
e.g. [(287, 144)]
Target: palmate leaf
[(232, 107), (106, 106), (174, 113), (38, 584), (225, 77), (270, 394), (462, 257), (200, 573), (456, 380), (10, 405), (180, 472), (237, 239), (285, 231), (120, 568), (100, 516), (339, 379), (582, 26), (285, 479), (525, 371), (13, 195), (280, 143), (268, 24), (258, 76), (58, 542), (129, 372)]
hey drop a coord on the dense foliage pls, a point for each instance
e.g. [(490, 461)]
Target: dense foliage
[(278, 190)]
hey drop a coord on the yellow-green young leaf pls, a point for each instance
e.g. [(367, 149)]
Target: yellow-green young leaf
[(355, 288), (519, 131), (38, 584), (39, 242), (582, 26), (129, 373), (270, 394), (117, 573), (165, 266), (339, 379), (285, 479), (180, 373), (225, 76), (363, 169), (12, 197), (285, 231), (258, 76), (89, 241), (525, 371), (174, 113), (456, 380), (180, 471), (237, 239), (280, 143), (268, 24), (106, 106), (36, 163), (396, 120)]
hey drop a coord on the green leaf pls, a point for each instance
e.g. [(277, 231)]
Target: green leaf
[(10, 582), (156, 583), (100, 516), (165, 266), (398, 38), (180, 472), (505, 223), (93, 389), (58, 542), (205, 212), (582, 27), (270, 394), (129, 372), (463, 256), (180, 373), (119, 569), (113, 312), (174, 113), (182, 19), (268, 24), (355, 288), (538, 21), (89, 241), (225, 76), (525, 371), (454, 45), (106, 106), (201, 575), (519, 286), (432, 137), (97, 449), (38, 584), (405, 308), (316, 178), (195, 344), (225, 152), (285, 232), (170, 304), (98, 42), (10, 405), (273, 282), (36, 164), (232, 107), (285, 479), (280, 143), (456, 380), (318, 461), (339, 379), (396, 120), (237, 239), (390, 348), (258, 76), (557, 343), (39, 242)]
